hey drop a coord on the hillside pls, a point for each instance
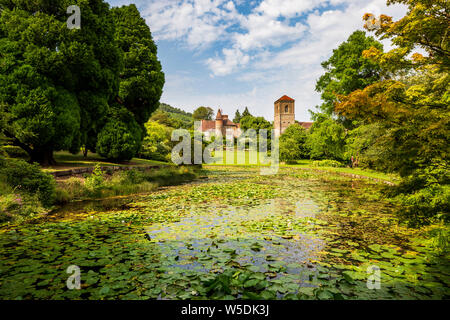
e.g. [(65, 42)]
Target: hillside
[(178, 117)]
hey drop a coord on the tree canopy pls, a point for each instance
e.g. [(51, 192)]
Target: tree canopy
[(412, 104), (57, 92), (347, 70), (293, 143), (203, 113)]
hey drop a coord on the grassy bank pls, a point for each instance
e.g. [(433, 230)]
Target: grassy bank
[(66, 160), (100, 185)]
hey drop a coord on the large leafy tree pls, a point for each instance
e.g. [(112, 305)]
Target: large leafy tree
[(293, 143), (326, 139), (50, 75), (347, 70), (59, 87), (141, 83), (413, 105), (203, 113), (120, 139), (256, 123), (141, 79)]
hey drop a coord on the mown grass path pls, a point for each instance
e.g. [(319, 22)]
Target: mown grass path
[(295, 235)]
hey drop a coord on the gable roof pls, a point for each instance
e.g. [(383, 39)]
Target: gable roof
[(219, 115), (285, 98), (305, 125)]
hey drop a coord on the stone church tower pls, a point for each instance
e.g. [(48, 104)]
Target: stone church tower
[(284, 114)]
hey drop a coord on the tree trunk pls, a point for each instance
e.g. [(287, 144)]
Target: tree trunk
[(85, 152), (43, 157)]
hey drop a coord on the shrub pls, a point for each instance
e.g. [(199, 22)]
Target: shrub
[(425, 194), (95, 182), (17, 208), (120, 139), (328, 163), (28, 179)]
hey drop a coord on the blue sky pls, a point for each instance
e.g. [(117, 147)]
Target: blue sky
[(235, 53)]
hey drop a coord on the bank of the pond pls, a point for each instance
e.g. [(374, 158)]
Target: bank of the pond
[(103, 183), (299, 234)]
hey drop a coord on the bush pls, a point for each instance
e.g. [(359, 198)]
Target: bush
[(95, 182), (121, 183), (28, 179), (328, 163), (17, 208), (424, 196), (120, 139)]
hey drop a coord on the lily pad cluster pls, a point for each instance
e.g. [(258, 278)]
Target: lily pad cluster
[(300, 234)]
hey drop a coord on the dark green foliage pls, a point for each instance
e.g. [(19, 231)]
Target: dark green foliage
[(425, 195), (56, 91), (245, 113), (366, 145), (28, 179), (141, 79), (237, 117), (50, 86), (293, 144), (120, 139), (347, 70)]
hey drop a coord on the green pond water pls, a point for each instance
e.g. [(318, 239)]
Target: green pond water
[(300, 234)]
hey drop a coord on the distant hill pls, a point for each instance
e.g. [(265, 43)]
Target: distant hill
[(177, 118)]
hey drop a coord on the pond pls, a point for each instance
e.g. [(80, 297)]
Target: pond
[(300, 234)]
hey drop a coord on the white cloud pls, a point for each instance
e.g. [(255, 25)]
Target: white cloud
[(287, 8), (198, 22), (275, 49), (233, 58)]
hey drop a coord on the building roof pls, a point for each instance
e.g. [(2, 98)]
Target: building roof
[(285, 98), (228, 122), (211, 124), (305, 125), (219, 115)]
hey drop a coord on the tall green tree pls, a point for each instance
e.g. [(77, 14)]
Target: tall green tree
[(245, 113), (347, 70), (237, 116), (414, 106), (54, 89), (59, 91), (141, 79), (140, 87)]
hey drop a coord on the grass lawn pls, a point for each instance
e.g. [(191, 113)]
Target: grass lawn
[(247, 158), (357, 171), (66, 160)]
